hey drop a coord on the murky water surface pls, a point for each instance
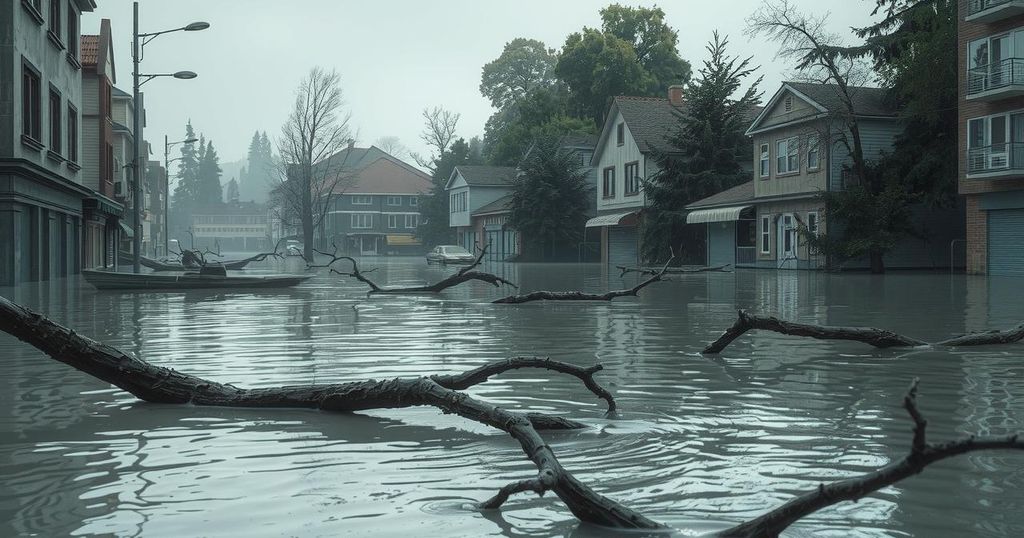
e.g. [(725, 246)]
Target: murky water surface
[(700, 442)]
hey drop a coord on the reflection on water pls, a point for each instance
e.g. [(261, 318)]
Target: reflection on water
[(700, 442)]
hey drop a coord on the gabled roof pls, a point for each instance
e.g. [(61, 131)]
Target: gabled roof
[(739, 194), (118, 92), (826, 99), (484, 175), (374, 170), (501, 205), (580, 141), (89, 49), (96, 50), (650, 120)]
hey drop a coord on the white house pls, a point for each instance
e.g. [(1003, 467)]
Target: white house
[(470, 188)]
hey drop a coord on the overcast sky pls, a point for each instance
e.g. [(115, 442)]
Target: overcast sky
[(395, 57)]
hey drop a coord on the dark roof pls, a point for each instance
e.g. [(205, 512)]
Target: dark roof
[(867, 101), (498, 206), (487, 175), (373, 170), (89, 49), (736, 195), (118, 92), (578, 140), (650, 120)]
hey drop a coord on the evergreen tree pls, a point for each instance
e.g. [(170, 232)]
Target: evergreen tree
[(707, 151), (434, 228), (550, 199), (232, 192), (186, 191), (210, 191)]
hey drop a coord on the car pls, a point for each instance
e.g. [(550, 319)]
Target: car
[(450, 254), (293, 248)]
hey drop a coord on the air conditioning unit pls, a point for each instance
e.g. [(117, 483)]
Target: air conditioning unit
[(997, 161)]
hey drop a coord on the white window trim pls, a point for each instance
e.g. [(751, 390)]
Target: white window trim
[(766, 232), (358, 217), (815, 142), (778, 154), (414, 217), (392, 221), (357, 197), (765, 161), (397, 199), (414, 201), (817, 223)]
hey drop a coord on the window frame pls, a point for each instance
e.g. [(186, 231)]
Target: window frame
[(765, 161), (791, 153), (620, 133), (72, 133), (55, 121), (766, 234), (393, 200), (813, 230), (392, 221), (31, 103), (73, 35), (54, 29), (357, 218), (814, 146), (355, 200), (608, 178), (633, 180), (414, 201), (414, 218)]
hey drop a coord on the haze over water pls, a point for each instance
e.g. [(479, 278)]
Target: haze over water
[(700, 442)]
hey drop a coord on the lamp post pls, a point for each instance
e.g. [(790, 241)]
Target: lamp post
[(140, 165), (167, 184)]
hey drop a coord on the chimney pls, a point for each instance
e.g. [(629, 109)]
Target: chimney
[(351, 143), (675, 95)]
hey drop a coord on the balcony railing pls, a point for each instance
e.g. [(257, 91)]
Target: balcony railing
[(977, 6), (992, 10), (1007, 158), (1001, 74)]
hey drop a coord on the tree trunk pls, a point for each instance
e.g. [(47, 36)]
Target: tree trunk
[(877, 263), (307, 213)]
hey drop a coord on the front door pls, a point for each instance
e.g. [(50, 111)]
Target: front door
[(787, 242), (368, 245)]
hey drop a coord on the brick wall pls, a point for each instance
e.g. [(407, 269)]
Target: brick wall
[(977, 237)]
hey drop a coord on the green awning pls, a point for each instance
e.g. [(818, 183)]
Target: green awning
[(125, 229)]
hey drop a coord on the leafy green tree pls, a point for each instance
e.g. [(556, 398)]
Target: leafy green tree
[(634, 53), (549, 199), (524, 65), (708, 150), (510, 132)]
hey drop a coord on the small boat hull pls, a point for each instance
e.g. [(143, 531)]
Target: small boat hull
[(108, 280)]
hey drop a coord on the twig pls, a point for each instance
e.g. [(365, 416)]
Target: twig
[(672, 270), (581, 296)]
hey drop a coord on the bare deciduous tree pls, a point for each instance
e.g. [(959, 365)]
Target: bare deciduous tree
[(310, 173), (392, 146), (438, 134)]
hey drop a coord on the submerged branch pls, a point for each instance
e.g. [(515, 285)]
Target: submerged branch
[(672, 270), (581, 296)]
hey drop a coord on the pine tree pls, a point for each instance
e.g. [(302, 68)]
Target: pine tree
[(210, 191), (232, 192), (186, 191)]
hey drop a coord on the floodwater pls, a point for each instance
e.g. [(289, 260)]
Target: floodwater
[(700, 442)]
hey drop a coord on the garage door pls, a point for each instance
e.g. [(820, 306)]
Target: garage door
[(622, 245), (1006, 242), (721, 243)]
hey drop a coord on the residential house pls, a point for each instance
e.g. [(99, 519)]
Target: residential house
[(105, 214), (42, 196), (990, 57), (375, 207), (238, 227), (634, 130), (472, 188), (121, 153), (800, 151)]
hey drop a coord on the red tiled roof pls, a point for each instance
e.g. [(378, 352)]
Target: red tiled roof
[(385, 176), (90, 49)]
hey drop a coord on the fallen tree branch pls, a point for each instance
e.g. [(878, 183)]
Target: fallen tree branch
[(581, 296), (164, 385), (879, 338), (465, 274), (921, 455), (672, 270)]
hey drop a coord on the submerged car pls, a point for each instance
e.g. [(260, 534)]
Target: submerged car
[(450, 254)]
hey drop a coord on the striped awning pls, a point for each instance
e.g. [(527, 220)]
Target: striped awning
[(608, 220), (398, 240), (128, 232), (718, 214)]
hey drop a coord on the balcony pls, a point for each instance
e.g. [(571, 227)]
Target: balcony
[(997, 80), (996, 161), (993, 10)]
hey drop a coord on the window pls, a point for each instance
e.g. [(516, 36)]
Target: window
[(392, 221), (812, 223), (608, 183), (72, 32), (813, 153), (31, 115), (414, 201), (995, 143), (72, 134), (362, 220), (56, 139), (766, 164), (55, 19), (394, 200), (620, 134), (632, 179), (766, 233), (362, 200), (787, 235), (411, 221), (787, 156)]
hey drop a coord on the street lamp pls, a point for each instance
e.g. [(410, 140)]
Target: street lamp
[(167, 183), (140, 165)]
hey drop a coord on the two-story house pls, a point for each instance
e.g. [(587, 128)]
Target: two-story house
[(41, 192), (104, 212), (483, 191), (990, 57), (800, 151), (634, 129), (375, 207)]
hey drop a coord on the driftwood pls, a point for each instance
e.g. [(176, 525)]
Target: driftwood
[(581, 296), (672, 270), (879, 338), (465, 274), (164, 385)]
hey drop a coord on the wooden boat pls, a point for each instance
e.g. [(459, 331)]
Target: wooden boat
[(109, 280), (157, 265)]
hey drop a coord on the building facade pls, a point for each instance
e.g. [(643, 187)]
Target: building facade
[(990, 58), (42, 196), (241, 227), (471, 188), (154, 215), (375, 207)]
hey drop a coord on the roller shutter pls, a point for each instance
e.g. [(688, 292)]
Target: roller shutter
[(622, 246), (1006, 242)]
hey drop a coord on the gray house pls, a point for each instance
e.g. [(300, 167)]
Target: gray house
[(471, 188), (41, 193)]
